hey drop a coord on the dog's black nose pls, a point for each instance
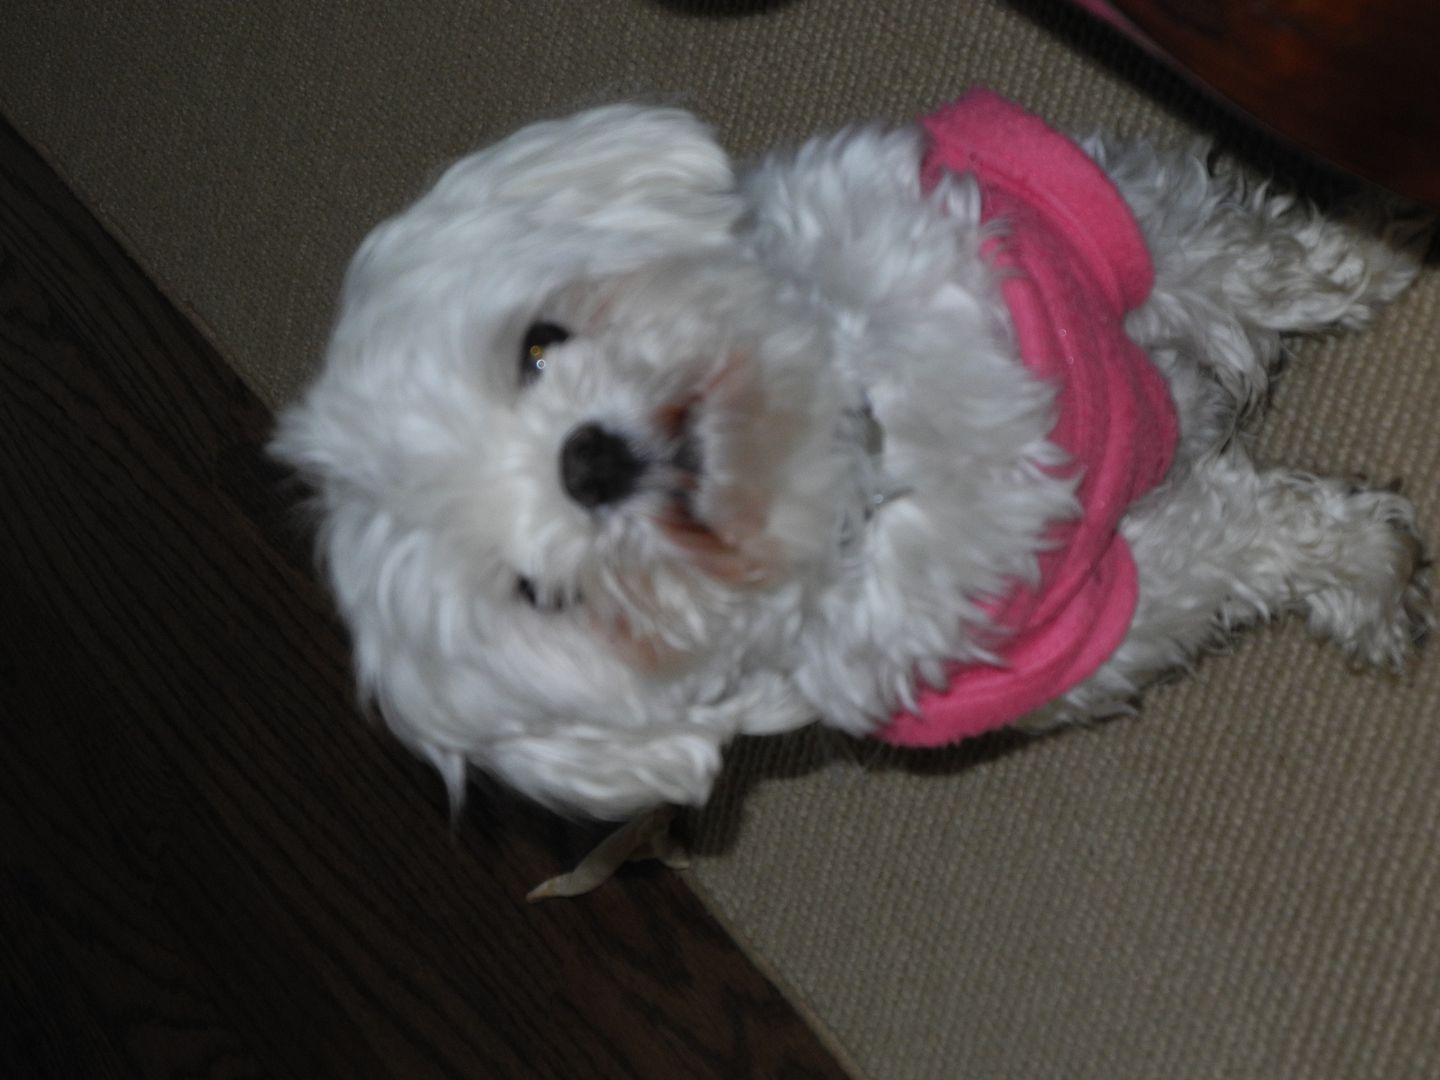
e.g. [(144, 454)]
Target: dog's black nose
[(598, 467)]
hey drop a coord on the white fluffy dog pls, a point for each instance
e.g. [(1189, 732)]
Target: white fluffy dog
[(621, 454)]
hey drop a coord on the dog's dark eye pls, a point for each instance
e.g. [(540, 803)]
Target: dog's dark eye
[(526, 591), (538, 340)]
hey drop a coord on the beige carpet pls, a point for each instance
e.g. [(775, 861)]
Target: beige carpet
[(1240, 883)]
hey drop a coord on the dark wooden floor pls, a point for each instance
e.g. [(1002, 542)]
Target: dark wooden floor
[(1349, 80), (208, 865)]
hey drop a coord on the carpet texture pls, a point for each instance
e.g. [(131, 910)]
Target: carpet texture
[(1238, 883)]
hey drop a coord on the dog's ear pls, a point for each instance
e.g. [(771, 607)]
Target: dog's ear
[(610, 775), (620, 168)]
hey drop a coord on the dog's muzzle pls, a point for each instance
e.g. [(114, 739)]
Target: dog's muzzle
[(598, 467)]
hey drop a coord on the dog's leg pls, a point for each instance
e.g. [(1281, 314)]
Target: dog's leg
[(1271, 257), (1286, 267), (1239, 263), (1227, 545)]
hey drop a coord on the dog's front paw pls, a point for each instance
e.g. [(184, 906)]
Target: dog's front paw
[(1385, 609)]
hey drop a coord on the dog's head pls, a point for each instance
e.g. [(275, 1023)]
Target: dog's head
[(573, 449)]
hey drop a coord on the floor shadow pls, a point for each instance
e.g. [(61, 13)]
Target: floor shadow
[(755, 761)]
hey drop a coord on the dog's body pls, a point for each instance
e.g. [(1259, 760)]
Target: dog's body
[(620, 456)]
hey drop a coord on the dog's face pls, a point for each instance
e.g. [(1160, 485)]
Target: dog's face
[(574, 451)]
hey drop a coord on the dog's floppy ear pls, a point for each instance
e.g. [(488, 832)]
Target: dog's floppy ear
[(610, 775), (622, 168)]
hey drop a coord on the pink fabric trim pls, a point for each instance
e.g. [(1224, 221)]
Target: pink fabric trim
[(1076, 263)]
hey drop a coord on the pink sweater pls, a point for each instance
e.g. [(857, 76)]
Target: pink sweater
[(1075, 264)]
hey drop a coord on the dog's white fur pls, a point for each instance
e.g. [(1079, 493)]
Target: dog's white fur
[(845, 456)]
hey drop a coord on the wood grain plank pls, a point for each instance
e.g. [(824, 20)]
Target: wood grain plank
[(1349, 80), (209, 865)]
